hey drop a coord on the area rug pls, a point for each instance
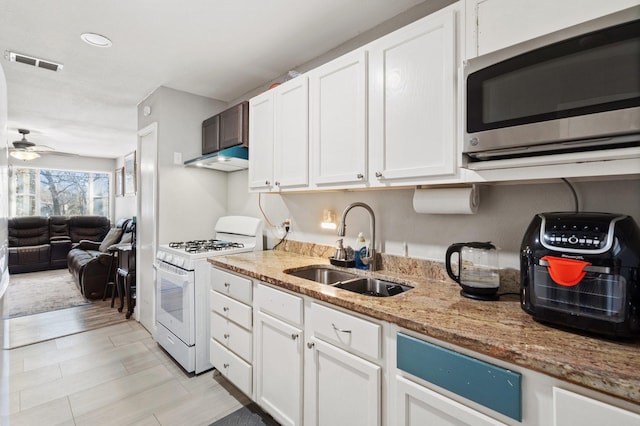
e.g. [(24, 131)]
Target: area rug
[(249, 415), (44, 291)]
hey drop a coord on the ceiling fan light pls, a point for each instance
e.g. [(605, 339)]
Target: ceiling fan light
[(24, 155), (96, 40)]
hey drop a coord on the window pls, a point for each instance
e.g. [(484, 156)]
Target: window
[(42, 192)]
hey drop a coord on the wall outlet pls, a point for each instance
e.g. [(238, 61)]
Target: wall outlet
[(177, 158)]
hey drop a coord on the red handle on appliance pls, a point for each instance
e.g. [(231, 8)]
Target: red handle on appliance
[(566, 272)]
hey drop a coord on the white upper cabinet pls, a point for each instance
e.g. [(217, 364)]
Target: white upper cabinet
[(338, 105), (291, 144), (412, 103), (261, 142), (279, 134), (495, 24)]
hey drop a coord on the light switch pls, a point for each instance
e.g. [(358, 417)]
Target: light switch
[(177, 158)]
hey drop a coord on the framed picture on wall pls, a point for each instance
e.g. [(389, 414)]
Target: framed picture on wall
[(130, 174), (119, 182)]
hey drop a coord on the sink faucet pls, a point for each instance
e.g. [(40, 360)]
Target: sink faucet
[(371, 258)]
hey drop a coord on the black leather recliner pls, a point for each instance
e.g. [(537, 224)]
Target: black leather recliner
[(90, 261), (29, 248)]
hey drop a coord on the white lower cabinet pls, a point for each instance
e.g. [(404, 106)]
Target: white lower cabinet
[(573, 409), (418, 406), (279, 354), (279, 369), (309, 363), (341, 388), (231, 331)]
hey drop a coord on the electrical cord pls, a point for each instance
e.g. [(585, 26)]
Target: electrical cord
[(286, 232), (575, 195)]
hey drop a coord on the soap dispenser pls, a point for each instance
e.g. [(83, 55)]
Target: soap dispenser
[(361, 247)]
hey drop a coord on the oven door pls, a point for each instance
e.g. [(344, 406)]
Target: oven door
[(175, 301)]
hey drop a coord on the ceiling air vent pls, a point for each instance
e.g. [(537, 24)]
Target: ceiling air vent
[(33, 61)]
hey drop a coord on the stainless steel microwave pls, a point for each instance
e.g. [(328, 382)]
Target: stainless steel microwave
[(577, 89)]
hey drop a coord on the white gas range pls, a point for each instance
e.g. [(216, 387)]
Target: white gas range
[(182, 282)]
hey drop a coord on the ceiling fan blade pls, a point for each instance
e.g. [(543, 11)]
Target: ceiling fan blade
[(40, 148)]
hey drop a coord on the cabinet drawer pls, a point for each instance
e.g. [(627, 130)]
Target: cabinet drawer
[(232, 336), (231, 366), (347, 330), (240, 288), (231, 309), (279, 304), (489, 385)]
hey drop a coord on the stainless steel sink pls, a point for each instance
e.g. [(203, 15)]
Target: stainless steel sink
[(323, 275), (373, 287), (351, 282)]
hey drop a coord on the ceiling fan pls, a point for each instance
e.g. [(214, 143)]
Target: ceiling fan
[(27, 150)]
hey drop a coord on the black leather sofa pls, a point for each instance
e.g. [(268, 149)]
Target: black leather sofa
[(90, 261), (38, 243)]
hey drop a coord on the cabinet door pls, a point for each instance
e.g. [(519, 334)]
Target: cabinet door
[(291, 144), (261, 135), (412, 103), (233, 126), (340, 388), (418, 405), (338, 120), (279, 369), (572, 409), (496, 24)]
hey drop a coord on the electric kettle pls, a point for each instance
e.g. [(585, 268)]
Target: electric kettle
[(478, 272)]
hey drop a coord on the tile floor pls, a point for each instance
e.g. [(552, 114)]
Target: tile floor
[(112, 375)]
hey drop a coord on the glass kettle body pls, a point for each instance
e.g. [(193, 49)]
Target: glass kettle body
[(478, 273)]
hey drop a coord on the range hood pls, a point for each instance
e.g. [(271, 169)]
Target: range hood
[(227, 160)]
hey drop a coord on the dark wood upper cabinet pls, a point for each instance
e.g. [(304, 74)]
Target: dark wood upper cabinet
[(227, 129), (211, 135)]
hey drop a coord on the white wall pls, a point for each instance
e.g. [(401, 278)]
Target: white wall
[(124, 206), (189, 199), (504, 214)]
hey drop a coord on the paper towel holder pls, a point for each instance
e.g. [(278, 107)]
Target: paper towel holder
[(447, 200)]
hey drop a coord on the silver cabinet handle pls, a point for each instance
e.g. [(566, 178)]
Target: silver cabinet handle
[(310, 345), (226, 309), (378, 174), (225, 365), (360, 176), (226, 335), (266, 182), (341, 330), (277, 183), (227, 285), (294, 336)]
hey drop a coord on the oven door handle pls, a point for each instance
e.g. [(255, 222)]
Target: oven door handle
[(179, 280)]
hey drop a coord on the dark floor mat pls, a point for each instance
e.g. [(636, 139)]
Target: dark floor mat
[(249, 415)]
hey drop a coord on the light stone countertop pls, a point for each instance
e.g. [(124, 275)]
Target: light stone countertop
[(500, 329)]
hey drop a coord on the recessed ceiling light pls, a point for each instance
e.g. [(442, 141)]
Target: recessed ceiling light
[(96, 40)]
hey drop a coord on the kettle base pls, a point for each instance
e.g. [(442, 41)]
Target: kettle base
[(476, 296)]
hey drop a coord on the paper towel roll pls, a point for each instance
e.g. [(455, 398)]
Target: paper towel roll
[(446, 200)]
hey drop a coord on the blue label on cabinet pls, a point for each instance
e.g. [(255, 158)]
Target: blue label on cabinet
[(484, 383)]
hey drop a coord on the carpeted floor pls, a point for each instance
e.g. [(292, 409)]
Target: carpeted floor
[(44, 291), (249, 415)]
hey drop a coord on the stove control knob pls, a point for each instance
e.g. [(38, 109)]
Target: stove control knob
[(161, 255), (179, 261), (169, 258)]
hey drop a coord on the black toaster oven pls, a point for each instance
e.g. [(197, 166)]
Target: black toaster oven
[(582, 270)]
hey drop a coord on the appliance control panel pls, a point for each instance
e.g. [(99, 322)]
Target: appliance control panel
[(577, 234)]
